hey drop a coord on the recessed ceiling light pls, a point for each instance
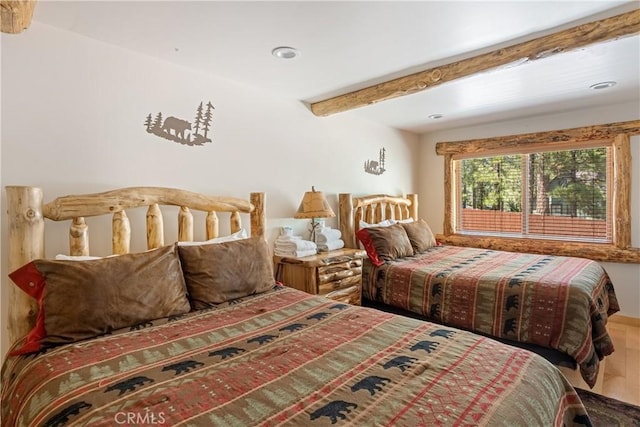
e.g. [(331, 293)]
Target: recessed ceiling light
[(602, 85), (436, 116), (285, 52)]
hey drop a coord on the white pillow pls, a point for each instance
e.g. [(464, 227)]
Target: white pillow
[(405, 221), (238, 235), (63, 257), (385, 223)]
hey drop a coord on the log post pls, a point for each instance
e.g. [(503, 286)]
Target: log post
[(235, 222), (346, 219), (185, 225), (121, 233), (622, 191), (213, 228), (155, 227), (26, 243), (258, 215), (413, 208), (79, 237)]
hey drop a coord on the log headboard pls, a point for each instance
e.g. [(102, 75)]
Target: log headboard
[(26, 227), (372, 209)]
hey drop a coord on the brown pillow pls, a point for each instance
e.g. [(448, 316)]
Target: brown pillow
[(385, 243), (220, 272), (83, 299), (420, 235)]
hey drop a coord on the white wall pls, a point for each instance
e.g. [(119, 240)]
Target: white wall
[(626, 277), (73, 111)]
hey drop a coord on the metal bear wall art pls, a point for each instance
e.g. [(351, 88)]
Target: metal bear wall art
[(180, 130)]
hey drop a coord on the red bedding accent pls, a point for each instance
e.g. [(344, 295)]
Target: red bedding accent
[(285, 357), (555, 302)]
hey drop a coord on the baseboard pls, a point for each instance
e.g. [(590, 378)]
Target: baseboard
[(625, 320)]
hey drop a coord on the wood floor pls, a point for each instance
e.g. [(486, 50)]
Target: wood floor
[(620, 378)]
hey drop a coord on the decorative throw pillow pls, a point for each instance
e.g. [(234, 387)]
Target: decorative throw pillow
[(385, 243), (80, 300), (226, 271), (420, 235)]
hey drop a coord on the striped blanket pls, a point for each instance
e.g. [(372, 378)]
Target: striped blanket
[(287, 358), (554, 302)]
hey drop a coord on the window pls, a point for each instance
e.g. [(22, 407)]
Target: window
[(560, 195), (562, 192)]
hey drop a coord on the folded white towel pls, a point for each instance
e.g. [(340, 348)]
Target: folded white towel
[(296, 254), (284, 238), (327, 234), (331, 246), (296, 245)]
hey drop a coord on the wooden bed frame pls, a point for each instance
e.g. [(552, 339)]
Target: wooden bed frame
[(372, 209), (26, 225)]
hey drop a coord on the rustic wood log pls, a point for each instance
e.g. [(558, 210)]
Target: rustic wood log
[(379, 215), (25, 243), (16, 15), (258, 214), (594, 251), (623, 25), (346, 220), (79, 237), (551, 139), (155, 227), (450, 212), (213, 225), (235, 222), (412, 209), (121, 233), (622, 191), (185, 225), (86, 205)]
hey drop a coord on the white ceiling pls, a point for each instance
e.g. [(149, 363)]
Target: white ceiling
[(350, 45)]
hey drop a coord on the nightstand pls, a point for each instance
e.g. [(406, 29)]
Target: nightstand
[(335, 274)]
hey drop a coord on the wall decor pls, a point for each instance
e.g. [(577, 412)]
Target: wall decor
[(174, 129), (376, 167)]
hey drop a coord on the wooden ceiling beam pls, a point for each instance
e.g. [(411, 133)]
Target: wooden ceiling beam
[(623, 25), (15, 15)]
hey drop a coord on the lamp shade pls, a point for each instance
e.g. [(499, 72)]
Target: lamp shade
[(314, 205)]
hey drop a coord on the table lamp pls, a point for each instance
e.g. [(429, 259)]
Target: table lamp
[(314, 205)]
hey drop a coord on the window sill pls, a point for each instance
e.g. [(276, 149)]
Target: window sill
[(594, 251)]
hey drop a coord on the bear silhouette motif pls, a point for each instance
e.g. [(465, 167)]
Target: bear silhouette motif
[(62, 417), (334, 410), (177, 125), (184, 366), (128, 385), (372, 384), (400, 362)]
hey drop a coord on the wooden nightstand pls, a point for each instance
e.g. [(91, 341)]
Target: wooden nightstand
[(335, 274)]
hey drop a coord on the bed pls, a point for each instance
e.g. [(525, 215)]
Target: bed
[(543, 302), (244, 350)]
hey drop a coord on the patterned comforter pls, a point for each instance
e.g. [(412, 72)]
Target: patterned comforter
[(555, 302), (287, 358)]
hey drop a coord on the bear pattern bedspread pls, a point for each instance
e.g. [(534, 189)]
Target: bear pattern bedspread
[(285, 357), (555, 302)]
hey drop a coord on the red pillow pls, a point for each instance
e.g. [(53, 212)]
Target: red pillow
[(29, 279), (367, 242)]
